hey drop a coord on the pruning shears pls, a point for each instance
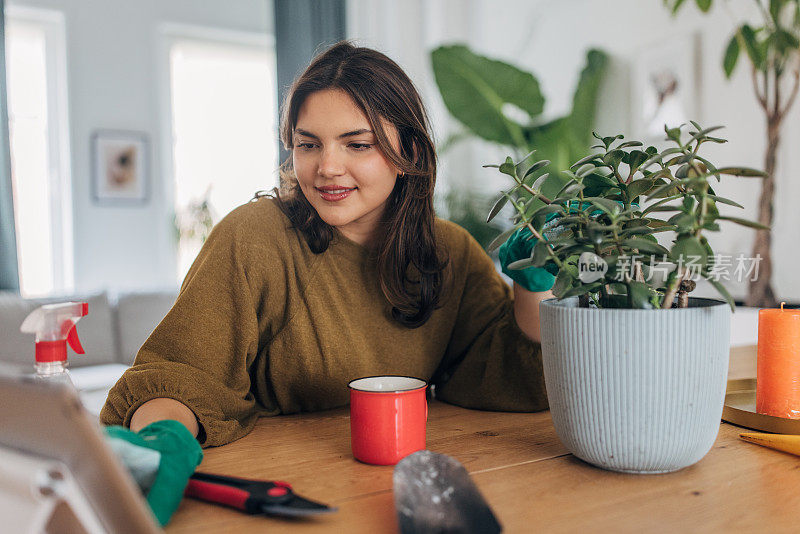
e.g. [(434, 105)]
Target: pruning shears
[(271, 497)]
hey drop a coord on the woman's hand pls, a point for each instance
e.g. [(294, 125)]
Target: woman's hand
[(526, 310)]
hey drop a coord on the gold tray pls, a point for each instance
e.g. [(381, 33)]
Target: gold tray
[(740, 410)]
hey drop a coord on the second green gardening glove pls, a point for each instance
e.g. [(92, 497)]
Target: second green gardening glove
[(161, 457)]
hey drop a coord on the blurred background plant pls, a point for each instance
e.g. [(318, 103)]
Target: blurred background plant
[(600, 236), (194, 222), (772, 46), (468, 210), (503, 104)]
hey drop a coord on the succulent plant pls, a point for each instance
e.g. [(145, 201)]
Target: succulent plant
[(599, 229)]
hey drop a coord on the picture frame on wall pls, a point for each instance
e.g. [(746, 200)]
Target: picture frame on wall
[(120, 165), (665, 85)]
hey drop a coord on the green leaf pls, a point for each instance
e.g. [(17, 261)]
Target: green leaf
[(676, 6), (499, 240), (525, 163), (645, 245), (655, 205), (639, 295), (658, 157), (563, 283), (596, 185), (636, 158), (688, 247), (585, 160), (775, 9), (609, 207), (537, 185), (661, 226), (509, 168), (684, 221), (540, 253), (664, 208), (571, 189), (702, 133), (585, 101), (501, 202), (627, 144), (751, 46), (535, 167), (475, 89), (673, 133), (614, 157), (742, 171), (639, 187), (744, 222), (731, 56), (520, 264), (786, 40), (703, 5), (548, 209), (725, 201), (582, 289), (666, 189), (722, 291)]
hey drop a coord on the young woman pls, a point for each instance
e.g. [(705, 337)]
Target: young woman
[(344, 273)]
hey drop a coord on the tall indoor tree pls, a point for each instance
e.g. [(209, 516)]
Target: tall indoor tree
[(773, 48)]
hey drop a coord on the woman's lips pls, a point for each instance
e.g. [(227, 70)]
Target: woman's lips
[(333, 194)]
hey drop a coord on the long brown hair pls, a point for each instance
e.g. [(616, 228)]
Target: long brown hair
[(411, 266)]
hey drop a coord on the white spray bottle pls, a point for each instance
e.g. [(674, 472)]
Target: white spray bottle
[(54, 326)]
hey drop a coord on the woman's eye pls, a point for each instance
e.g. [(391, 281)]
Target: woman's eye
[(305, 146), (360, 146)]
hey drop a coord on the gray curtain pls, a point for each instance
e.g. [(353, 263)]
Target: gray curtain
[(303, 28), (9, 275)]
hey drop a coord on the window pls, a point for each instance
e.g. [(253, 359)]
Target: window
[(35, 73), (224, 133)]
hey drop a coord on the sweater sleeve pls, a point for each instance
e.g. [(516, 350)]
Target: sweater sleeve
[(201, 352), (489, 363)]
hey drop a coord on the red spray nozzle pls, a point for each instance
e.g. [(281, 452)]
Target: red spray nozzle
[(54, 327)]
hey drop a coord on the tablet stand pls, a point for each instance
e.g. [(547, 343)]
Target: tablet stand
[(39, 495)]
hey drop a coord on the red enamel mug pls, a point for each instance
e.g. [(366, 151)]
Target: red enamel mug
[(387, 418)]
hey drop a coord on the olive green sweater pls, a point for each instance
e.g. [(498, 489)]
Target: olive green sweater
[(263, 326)]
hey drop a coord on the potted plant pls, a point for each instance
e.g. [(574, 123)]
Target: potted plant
[(635, 369)]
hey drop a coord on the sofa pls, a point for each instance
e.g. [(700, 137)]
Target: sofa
[(111, 334), (118, 324)]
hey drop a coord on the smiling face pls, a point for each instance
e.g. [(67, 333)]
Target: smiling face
[(339, 166)]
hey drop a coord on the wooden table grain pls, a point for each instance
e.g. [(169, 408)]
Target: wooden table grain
[(527, 476)]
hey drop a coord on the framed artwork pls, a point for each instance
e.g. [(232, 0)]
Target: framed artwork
[(665, 86), (120, 163)]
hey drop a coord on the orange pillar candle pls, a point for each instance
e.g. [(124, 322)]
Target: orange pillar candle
[(778, 366)]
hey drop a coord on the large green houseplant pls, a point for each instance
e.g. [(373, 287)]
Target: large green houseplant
[(503, 104), (635, 369)]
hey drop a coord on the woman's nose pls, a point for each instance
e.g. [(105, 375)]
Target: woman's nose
[(330, 163)]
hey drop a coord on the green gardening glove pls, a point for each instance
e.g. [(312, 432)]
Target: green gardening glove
[(517, 247), (520, 245), (161, 457)]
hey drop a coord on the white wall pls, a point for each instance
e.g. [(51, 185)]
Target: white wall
[(113, 61), (549, 38)]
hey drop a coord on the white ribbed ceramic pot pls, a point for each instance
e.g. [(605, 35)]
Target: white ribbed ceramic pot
[(638, 391)]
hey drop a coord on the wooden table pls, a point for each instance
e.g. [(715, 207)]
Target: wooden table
[(529, 479)]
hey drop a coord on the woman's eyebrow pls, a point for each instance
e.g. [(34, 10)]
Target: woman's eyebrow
[(342, 136)]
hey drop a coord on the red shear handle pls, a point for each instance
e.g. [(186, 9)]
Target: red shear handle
[(217, 493)]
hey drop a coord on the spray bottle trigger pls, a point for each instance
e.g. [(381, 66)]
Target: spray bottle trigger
[(74, 342)]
